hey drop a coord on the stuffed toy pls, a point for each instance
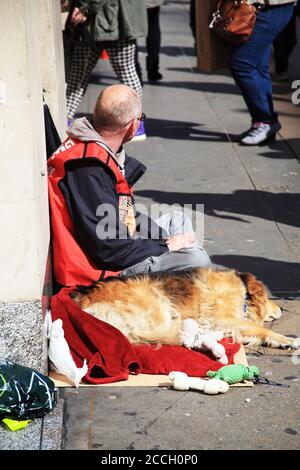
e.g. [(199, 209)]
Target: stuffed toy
[(203, 340), (183, 382), (234, 373)]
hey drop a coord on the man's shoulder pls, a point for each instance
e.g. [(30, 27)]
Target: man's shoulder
[(88, 165)]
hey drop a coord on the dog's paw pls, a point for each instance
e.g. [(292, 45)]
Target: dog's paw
[(295, 344)]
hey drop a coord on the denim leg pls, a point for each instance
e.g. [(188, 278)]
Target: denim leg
[(248, 62), (264, 71)]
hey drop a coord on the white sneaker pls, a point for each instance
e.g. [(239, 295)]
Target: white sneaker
[(260, 132)]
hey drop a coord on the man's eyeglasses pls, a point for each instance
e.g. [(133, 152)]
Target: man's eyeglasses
[(141, 118)]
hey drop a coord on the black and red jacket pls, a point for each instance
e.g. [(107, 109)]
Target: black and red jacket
[(82, 176)]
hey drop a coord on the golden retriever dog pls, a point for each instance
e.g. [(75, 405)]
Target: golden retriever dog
[(150, 308)]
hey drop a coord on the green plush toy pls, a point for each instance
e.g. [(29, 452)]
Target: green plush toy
[(234, 373)]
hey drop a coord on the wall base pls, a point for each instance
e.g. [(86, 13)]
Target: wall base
[(22, 336)]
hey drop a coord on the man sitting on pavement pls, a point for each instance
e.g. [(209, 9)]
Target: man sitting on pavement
[(96, 231)]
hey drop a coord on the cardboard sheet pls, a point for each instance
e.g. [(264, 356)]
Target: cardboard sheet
[(145, 380)]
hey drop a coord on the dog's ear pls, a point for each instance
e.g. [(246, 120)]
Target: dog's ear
[(253, 286)]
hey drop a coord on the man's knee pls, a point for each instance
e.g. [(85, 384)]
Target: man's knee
[(181, 222), (197, 258), (202, 260)]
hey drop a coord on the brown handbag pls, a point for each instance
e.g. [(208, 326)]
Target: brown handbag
[(234, 20)]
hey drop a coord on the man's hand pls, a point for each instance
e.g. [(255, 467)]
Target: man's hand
[(78, 17), (177, 242)]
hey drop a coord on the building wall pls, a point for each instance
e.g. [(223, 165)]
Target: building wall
[(52, 59), (31, 59)]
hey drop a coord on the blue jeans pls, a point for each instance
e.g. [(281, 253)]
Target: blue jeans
[(249, 62)]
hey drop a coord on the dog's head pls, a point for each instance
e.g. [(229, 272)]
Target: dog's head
[(260, 307)]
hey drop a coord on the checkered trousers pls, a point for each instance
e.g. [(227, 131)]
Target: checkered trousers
[(84, 59)]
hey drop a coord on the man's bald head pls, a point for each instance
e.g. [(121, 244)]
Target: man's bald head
[(116, 106)]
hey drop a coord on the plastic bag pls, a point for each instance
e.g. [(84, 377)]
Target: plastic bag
[(25, 393), (60, 356)]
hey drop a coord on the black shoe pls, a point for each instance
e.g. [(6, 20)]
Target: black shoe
[(154, 76)]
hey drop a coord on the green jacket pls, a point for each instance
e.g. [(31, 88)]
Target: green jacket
[(110, 20)]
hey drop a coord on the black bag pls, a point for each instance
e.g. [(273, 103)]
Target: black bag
[(52, 138), (25, 393)]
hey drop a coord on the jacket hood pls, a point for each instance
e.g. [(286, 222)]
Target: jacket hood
[(83, 130)]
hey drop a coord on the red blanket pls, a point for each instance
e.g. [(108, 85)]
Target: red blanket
[(111, 357)]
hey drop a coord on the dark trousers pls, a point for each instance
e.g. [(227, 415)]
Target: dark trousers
[(249, 63), (284, 45), (193, 17), (153, 40)]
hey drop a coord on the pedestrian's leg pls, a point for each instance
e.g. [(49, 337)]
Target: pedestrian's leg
[(244, 63), (284, 45), (193, 17), (264, 71), (137, 64), (246, 60), (250, 68), (153, 41), (84, 59), (122, 59)]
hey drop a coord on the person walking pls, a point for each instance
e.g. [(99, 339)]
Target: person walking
[(111, 25), (249, 65)]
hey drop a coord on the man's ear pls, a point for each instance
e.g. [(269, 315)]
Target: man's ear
[(131, 131)]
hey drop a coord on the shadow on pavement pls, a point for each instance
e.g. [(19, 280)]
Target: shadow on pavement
[(183, 130), (210, 87), (173, 51), (282, 208), (283, 149), (222, 72), (281, 277)]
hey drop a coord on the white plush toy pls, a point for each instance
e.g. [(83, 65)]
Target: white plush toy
[(183, 382), (203, 340), (60, 355)]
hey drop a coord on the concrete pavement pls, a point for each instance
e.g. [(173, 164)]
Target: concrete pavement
[(252, 207)]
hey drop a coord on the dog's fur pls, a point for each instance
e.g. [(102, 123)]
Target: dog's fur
[(150, 308)]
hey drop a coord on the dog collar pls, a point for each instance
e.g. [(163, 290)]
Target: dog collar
[(245, 308)]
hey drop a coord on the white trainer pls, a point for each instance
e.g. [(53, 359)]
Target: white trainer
[(260, 132)]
